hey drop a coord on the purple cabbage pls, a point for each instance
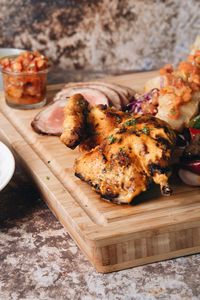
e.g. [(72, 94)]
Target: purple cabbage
[(135, 104)]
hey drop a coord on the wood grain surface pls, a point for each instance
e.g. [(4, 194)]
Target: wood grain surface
[(114, 237)]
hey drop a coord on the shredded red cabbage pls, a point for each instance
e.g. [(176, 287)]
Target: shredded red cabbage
[(135, 104), (162, 82)]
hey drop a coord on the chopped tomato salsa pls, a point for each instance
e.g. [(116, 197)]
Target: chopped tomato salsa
[(24, 78)]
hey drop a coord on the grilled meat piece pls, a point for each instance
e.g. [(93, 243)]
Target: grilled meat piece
[(75, 125), (128, 152), (101, 121), (115, 177), (135, 153)]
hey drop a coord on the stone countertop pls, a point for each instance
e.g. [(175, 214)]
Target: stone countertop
[(39, 260)]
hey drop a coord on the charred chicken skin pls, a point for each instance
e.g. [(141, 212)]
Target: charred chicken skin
[(75, 121), (101, 121), (128, 152)]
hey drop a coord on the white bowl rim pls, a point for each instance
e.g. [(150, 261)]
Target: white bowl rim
[(5, 50), (11, 165)]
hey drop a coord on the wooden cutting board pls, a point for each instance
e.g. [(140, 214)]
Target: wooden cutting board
[(113, 237)]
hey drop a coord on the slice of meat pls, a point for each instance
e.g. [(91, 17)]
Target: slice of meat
[(50, 119), (111, 94), (115, 98), (93, 96), (124, 93), (101, 86)]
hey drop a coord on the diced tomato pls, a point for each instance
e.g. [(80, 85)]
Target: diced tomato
[(15, 92), (193, 132)]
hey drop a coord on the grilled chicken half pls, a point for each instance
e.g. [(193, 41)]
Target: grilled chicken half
[(124, 152), (135, 153)]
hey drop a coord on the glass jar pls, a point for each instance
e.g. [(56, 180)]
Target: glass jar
[(25, 90)]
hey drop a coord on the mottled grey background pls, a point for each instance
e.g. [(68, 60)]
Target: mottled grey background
[(102, 35)]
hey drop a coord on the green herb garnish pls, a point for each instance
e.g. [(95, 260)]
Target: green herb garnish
[(146, 130), (112, 139), (130, 122), (47, 177)]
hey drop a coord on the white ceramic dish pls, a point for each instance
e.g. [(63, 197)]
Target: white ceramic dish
[(7, 165)]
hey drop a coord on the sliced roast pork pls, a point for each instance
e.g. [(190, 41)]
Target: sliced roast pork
[(93, 96), (50, 119), (121, 94), (124, 93), (112, 95)]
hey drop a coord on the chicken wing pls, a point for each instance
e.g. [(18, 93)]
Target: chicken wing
[(75, 125)]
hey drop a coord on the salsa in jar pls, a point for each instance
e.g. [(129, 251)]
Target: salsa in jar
[(25, 79)]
